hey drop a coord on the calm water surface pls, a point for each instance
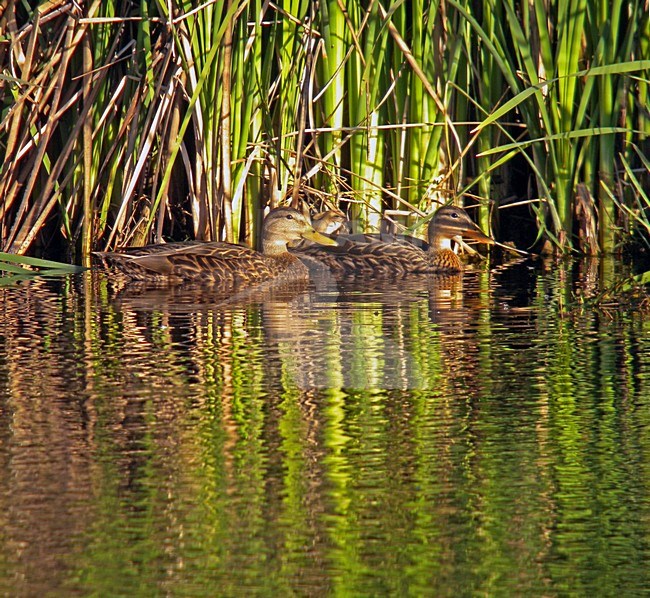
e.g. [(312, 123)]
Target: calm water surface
[(480, 435)]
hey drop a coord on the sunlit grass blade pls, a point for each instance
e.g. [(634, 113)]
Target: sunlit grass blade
[(10, 262)]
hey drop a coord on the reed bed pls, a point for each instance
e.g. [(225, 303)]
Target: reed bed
[(127, 123)]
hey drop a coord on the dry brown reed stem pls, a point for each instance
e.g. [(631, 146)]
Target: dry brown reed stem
[(226, 174)]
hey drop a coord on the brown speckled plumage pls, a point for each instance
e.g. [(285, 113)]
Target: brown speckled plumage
[(375, 257), (222, 262)]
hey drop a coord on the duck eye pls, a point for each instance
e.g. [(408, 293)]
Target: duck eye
[(289, 216), (454, 214)]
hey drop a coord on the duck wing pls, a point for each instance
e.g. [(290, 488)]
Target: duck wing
[(215, 261), (385, 238), (372, 257)]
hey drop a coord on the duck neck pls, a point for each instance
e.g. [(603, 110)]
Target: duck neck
[(439, 242), (274, 247)]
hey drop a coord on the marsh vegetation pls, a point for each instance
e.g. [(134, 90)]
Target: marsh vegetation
[(128, 122)]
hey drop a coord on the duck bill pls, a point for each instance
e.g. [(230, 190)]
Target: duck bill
[(318, 238), (478, 235)]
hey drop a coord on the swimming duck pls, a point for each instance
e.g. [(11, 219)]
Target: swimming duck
[(373, 256), (223, 262), (330, 222)]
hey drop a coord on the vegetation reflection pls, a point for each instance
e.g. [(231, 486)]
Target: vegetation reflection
[(420, 441)]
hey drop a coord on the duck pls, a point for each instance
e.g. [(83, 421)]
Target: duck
[(376, 256), (219, 262), (330, 222)]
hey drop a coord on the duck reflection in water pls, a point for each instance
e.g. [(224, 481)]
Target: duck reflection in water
[(352, 334), (372, 334)]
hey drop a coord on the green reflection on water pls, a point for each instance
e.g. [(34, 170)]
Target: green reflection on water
[(427, 442)]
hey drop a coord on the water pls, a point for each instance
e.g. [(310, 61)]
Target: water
[(480, 435)]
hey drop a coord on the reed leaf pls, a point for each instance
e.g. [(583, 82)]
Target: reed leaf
[(10, 262)]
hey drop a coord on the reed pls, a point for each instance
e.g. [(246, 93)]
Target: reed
[(18, 267), (125, 124), (572, 113)]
